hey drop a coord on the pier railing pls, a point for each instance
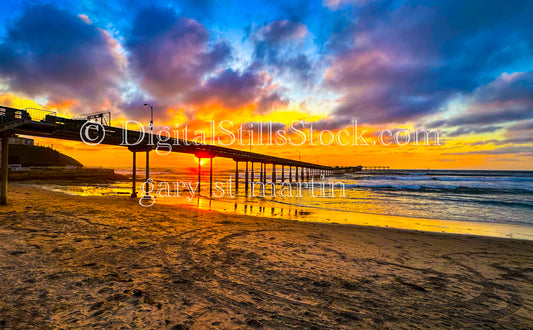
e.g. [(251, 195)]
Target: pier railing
[(39, 114), (8, 115)]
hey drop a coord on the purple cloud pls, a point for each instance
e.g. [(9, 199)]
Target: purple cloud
[(169, 54), (51, 52), (522, 150), (276, 46), (508, 98), (394, 63), (281, 31), (233, 90)]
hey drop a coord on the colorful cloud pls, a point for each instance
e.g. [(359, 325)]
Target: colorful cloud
[(464, 68)]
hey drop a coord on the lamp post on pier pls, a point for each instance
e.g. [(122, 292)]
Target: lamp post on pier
[(151, 122), (150, 142)]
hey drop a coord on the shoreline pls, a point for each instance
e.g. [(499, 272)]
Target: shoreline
[(304, 213), (62, 173), (77, 261)]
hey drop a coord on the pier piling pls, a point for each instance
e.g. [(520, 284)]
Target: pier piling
[(4, 169), (134, 176), (290, 173), (236, 177), (211, 177), (147, 171), (199, 174), (252, 173), (246, 180)]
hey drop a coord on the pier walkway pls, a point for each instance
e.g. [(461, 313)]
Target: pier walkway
[(44, 123)]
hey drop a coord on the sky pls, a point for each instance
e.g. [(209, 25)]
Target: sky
[(462, 68)]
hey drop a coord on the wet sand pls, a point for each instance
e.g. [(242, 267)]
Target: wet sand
[(74, 261)]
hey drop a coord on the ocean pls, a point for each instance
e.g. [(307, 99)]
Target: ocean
[(493, 203), (485, 196)]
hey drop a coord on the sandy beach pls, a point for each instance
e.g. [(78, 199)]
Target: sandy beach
[(80, 262)]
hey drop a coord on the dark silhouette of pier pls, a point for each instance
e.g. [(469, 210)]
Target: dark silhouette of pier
[(375, 168), (44, 123)]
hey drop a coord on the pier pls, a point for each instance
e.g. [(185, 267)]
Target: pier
[(375, 168), (44, 123)]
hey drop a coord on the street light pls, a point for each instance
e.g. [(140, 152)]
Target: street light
[(151, 117), (151, 142), (151, 122)]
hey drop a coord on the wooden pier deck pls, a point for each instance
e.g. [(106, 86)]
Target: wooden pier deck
[(43, 123)]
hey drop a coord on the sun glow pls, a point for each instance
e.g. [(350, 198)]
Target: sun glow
[(201, 161)]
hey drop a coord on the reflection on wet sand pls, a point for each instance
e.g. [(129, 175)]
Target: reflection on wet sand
[(274, 211), (369, 212), (269, 208)]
